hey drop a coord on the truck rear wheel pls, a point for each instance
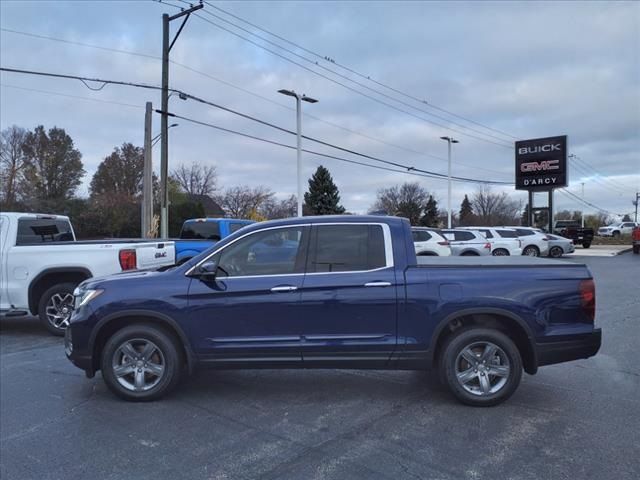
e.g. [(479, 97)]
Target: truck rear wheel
[(141, 363), (55, 307), (481, 367)]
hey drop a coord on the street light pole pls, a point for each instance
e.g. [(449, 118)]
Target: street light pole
[(449, 140), (299, 100)]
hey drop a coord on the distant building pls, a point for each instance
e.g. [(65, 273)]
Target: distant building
[(211, 207)]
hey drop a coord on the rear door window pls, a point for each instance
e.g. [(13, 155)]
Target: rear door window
[(347, 248), (234, 227), (507, 233), (420, 235), (201, 231), (486, 233), (42, 230)]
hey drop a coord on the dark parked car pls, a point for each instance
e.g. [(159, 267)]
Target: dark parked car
[(572, 230), (338, 292)]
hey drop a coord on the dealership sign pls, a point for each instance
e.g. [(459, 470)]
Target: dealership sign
[(541, 163)]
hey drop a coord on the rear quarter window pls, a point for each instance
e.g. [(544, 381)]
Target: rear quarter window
[(347, 248), (421, 236), (201, 231), (32, 231)]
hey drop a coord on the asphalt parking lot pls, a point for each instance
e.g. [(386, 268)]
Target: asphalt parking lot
[(577, 420)]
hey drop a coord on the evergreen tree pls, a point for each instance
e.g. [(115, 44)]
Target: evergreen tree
[(466, 211), (323, 197), (431, 214), (525, 216)]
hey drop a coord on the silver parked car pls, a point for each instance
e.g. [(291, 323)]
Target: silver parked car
[(467, 242), (559, 246)]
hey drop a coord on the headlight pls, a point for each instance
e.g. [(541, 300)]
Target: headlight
[(85, 296)]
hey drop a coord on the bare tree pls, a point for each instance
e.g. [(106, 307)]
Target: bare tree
[(492, 208), (12, 164), (244, 201), (408, 200), (272, 208), (196, 179)]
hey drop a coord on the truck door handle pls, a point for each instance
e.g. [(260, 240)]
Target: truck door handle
[(377, 284), (284, 288)]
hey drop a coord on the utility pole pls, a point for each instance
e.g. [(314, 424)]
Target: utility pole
[(583, 204), (147, 177), (636, 204), (164, 125)]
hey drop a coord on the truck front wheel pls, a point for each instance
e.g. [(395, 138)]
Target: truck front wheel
[(141, 363), (481, 367), (55, 307)]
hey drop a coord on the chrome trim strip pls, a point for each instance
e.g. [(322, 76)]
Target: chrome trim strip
[(388, 250)]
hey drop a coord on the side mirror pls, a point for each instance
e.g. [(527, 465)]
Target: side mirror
[(207, 270)]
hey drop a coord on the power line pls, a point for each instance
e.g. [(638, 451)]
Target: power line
[(394, 107), (249, 117), (585, 202), (408, 171), (588, 167), (229, 84), (355, 72), (71, 96)]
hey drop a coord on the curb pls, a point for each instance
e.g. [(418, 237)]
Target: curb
[(624, 251)]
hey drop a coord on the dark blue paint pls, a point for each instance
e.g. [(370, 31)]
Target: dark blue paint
[(332, 319)]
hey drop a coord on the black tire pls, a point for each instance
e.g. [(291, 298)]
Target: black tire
[(167, 353), (427, 254), (56, 300), (469, 254), (636, 249), (500, 252), (556, 252), (615, 234), (586, 244), (475, 337), (531, 251)]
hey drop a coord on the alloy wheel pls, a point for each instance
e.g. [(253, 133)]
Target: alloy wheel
[(59, 309), (482, 368), (138, 365)]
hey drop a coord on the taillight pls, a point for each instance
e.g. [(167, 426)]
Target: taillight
[(127, 259), (445, 243), (487, 245), (588, 298)]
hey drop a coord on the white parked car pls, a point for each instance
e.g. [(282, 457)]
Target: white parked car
[(41, 263), (467, 242), (559, 246), (428, 242), (504, 241), (535, 243), (617, 229)]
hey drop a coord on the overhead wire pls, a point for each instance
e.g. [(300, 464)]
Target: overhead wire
[(252, 118), (229, 84), (407, 171), (355, 72), (394, 107), (89, 99)]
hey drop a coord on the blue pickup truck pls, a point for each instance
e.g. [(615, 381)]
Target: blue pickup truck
[(198, 234), (335, 292)]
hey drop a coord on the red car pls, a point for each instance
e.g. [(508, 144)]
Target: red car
[(635, 239)]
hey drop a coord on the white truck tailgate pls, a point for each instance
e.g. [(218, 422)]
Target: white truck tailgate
[(152, 255)]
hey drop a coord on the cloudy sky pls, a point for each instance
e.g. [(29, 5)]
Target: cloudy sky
[(522, 69)]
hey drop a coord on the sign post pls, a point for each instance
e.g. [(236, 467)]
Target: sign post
[(541, 166)]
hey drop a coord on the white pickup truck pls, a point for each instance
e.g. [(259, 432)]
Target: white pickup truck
[(41, 263)]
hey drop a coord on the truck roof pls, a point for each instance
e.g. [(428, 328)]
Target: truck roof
[(34, 215), (390, 220)]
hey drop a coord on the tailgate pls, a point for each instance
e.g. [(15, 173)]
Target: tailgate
[(155, 254)]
